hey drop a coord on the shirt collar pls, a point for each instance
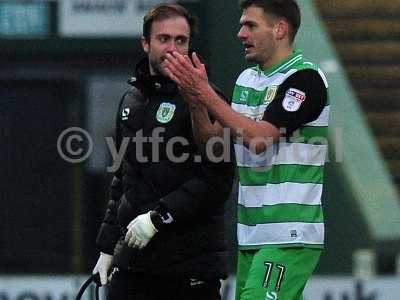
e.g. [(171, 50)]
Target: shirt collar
[(283, 64)]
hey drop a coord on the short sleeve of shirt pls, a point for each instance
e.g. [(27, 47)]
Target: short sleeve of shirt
[(300, 99)]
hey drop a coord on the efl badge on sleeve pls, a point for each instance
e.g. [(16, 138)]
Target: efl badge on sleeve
[(293, 99), (165, 112)]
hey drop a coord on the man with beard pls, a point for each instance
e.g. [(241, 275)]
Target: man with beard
[(163, 231), (279, 119)]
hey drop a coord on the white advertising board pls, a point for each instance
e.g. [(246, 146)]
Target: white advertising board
[(347, 288), (319, 288), (41, 287), (102, 18)]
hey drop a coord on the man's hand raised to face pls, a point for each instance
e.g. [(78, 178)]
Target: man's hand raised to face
[(191, 78)]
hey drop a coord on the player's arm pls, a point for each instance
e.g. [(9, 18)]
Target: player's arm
[(192, 78), (257, 136), (203, 127), (299, 100)]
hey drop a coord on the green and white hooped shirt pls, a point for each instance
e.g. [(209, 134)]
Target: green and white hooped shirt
[(279, 199)]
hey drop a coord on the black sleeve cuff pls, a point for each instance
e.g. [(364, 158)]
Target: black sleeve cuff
[(107, 238), (161, 218)]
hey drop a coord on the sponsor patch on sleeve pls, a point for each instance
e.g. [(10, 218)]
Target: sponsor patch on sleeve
[(294, 98)]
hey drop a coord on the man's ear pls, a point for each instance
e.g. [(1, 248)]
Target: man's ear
[(281, 30), (145, 44)]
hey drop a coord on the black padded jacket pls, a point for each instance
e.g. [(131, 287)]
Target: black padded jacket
[(193, 189)]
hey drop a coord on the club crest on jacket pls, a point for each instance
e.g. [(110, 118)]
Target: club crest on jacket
[(165, 112)]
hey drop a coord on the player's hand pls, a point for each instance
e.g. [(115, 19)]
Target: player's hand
[(103, 266), (140, 231), (190, 77)]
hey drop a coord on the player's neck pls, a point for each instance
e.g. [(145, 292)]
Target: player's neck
[(280, 55)]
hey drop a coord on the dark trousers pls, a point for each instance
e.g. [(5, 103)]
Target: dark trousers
[(137, 286)]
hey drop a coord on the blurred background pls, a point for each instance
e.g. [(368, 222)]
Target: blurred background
[(65, 64)]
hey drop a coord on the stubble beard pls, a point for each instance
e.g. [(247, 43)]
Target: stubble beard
[(252, 58), (156, 67)]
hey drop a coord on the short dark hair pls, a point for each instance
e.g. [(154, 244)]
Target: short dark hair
[(165, 11), (288, 9)]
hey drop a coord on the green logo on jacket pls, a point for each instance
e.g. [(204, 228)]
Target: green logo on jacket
[(165, 112)]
